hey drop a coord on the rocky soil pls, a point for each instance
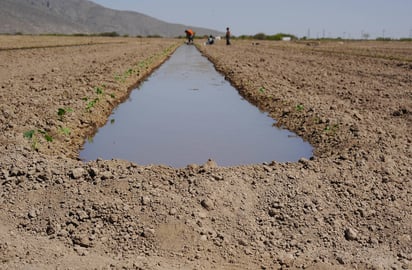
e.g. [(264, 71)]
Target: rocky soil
[(349, 207)]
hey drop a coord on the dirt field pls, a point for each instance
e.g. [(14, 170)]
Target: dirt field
[(349, 207)]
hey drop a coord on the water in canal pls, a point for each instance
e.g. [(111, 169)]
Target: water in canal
[(185, 113)]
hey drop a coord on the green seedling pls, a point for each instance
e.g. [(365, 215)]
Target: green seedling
[(99, 90), (46, 135), (128, 72), (262, 89), (91, 104), (112, 121), (35, 145), (61, 112), (112, 95), (300, 107), (118, 78), (29, 134), (66, 131)]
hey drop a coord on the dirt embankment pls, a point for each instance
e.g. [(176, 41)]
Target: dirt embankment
[(349, 207)]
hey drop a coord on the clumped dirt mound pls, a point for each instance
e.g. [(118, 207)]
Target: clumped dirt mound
[(348, 207)]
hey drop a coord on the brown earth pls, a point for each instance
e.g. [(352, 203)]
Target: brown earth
[(349, 207)]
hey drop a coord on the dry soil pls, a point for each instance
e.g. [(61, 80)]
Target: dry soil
[(348, 207)]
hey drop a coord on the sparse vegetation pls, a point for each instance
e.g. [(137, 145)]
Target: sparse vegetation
[(29, 134), (263, 36), (91, 104), (48, 137), (66, 131), (383, 39), (109, 34), (300, 107), (32, 136), (99, 90), (61, 112), (143, 65)]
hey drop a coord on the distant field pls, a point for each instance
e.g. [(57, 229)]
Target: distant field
[(397, 50), (8, 42)]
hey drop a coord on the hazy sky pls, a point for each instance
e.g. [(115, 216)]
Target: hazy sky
[(316, 18)]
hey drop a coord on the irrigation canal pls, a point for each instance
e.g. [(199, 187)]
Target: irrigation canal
[(185, 113)]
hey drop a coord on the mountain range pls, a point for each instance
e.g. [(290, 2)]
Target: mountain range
[(83, 17)]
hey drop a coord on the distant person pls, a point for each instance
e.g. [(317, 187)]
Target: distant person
[(210, 40), (189, 35), (227, 36)]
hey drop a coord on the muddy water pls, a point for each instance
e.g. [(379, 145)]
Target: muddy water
[(185, 113)]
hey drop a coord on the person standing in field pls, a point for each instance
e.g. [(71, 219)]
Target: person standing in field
[(189, 35), (227, 36)]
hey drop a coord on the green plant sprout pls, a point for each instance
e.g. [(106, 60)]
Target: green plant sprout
[(118, 78), (128, 72), (300, 107), (91, 104), (65, 130), (48, 137), (62, 112), (45, 135), (31, 136), (99, 90), (143, 65), (35, 145)]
